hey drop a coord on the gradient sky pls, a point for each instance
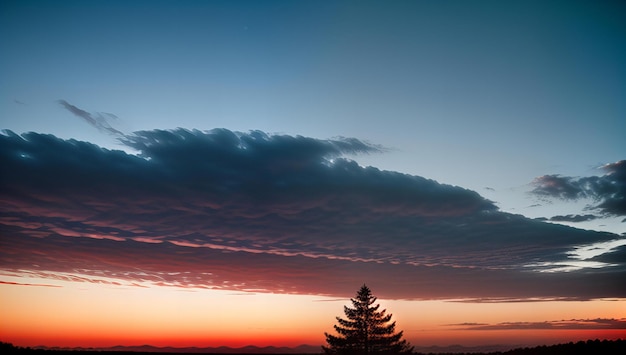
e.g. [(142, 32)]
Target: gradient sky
[(205, 173)]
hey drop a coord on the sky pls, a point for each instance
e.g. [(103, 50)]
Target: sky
[(207, 173)]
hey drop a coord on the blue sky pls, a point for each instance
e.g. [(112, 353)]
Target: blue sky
[(482, 94), (486, 95)]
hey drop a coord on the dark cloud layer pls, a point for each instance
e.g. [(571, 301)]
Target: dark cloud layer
[(608, 190), (270, 213)]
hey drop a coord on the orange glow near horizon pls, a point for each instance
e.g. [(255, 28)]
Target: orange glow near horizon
[(91, 315)]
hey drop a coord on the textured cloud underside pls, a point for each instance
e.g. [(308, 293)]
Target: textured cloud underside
[(272, 213)]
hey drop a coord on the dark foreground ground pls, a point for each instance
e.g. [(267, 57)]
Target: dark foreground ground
[(593, 347)]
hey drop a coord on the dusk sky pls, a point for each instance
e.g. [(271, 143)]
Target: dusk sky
[(207, 173)]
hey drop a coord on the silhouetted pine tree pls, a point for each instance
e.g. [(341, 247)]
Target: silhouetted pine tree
[(366, 331)]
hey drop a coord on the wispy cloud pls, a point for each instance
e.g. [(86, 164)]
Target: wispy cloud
[(573, 218), (100, 120), (270, 213), (519, 300), (26, 284), (609, 190), (572, 324)]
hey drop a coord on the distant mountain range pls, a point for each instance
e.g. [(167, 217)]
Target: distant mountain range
[(612, 347), (301, 349), (250, 349)]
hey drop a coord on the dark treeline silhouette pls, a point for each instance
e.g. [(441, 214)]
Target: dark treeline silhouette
[(604, 347), (589, 347)]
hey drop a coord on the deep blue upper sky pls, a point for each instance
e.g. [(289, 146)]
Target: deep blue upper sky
[(487, 95)]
